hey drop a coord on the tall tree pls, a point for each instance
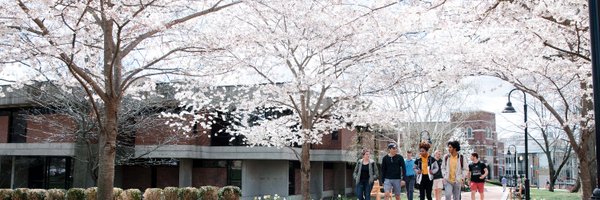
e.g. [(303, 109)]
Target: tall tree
[(542, 48), (315, 59), (108, 48), (552, 140)]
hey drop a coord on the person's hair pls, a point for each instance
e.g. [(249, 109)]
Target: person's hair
[(475, 155), (455, 144), (364, 151), (408, 151), (424, 145)]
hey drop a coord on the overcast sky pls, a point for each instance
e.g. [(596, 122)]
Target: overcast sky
[(492, 96)]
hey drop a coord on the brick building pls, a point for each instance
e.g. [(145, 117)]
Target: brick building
[(29, 159), (479, 128)]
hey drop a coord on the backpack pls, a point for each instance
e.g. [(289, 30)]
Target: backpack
[(459, 158)]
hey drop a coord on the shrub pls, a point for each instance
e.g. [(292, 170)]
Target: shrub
[(130, 194), (208, 193), (91, 193), (6, 194), (56, 194), (154, 194), (20, 194), (230, 193), (116, 193), (76, 194), (36, 194), (188, 193), (170, 193)]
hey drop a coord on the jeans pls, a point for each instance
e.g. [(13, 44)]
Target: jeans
[(452, 190), (425, 188), (410, 187), (363, 190)]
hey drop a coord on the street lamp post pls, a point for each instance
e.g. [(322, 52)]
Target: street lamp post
[(426, 138), (510, 109), (594, 8), (515, 163)]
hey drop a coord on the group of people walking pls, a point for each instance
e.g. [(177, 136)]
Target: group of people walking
[(425, 172)]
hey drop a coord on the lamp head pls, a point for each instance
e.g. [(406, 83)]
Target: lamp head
[(509, 108)]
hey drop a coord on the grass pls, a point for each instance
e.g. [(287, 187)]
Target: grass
[(541, 194)]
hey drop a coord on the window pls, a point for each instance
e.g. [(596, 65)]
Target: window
[(488, 133), (17, 125), (490, 152), (335, 134), (469, 132)]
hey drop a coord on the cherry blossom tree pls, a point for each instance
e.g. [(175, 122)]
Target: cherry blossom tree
[(552, 141), (108, 48), (542, 48), (313, 64)]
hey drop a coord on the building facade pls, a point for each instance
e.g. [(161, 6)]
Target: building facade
[(32, 156), (479, 129)]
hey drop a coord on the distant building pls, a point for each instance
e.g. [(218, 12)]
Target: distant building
[(538, 163), (479, 128)]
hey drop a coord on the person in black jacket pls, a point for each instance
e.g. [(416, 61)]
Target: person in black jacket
[(392, 172), (425, 167)]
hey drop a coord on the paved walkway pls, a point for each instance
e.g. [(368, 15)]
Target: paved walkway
[(491, 193)]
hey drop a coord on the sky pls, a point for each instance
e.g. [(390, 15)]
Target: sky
[(491, 94)]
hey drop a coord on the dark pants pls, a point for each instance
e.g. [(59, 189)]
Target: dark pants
[(410, 187), (425, 188), (363, 190)]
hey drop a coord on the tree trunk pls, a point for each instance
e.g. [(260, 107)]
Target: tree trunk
[(577, 185), (305, 171), (586, 177), (107, 142)]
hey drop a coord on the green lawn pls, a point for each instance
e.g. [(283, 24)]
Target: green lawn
[(557, 194)]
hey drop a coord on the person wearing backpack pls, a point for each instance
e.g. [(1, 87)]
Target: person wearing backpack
[(425, 167), (438, 178), (454, 170)]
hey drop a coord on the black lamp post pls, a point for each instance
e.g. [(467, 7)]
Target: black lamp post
[(594, 7), (427, 137), (509, 109), (515, 163)]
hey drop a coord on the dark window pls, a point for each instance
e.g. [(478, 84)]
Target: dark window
[(43, 172), (327, 165), (234, 173), (335, 135), (234, 169), (210, 164), (5, 171), (219, 136), (17, 128)]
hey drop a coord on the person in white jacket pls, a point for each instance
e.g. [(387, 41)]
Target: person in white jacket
[(454, 170)]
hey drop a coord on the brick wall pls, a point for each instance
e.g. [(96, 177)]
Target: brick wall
[(137, 177), (343, 141), (209, 176), (328, 177), (50, 128), (3, 129), (167, 176)]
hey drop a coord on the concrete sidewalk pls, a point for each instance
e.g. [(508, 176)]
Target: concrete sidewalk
[(491, 193)]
